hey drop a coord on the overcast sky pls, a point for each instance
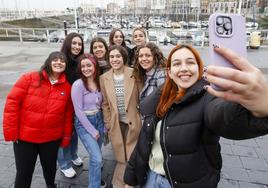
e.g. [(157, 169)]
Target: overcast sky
[(49, 4)]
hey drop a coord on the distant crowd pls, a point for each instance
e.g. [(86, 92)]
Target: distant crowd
[(160, 114)]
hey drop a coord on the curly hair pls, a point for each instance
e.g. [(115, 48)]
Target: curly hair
[(159, 60)]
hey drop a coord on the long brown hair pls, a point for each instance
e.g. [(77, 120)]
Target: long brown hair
[(111, 37), (170, 91), (82, 76), (159, 60), (67, 45)]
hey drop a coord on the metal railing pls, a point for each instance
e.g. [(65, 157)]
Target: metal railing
[(49, 35)]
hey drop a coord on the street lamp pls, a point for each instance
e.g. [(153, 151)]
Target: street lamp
[(254, 12), (239, 7), (75, 15)]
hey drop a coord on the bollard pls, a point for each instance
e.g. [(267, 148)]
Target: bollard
[(77, 22), (203, 38), (20, 35), (48, 39), (65, 27)]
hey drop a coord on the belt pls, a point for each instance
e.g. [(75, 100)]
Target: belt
[(91, 112)]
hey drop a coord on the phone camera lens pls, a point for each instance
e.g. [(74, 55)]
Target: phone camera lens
[(220, 30), (227, 26), (219, 21)]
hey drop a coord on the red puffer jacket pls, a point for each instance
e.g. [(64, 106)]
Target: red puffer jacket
[(39, 113)]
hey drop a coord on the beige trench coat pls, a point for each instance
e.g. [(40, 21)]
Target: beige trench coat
[(111, 117)]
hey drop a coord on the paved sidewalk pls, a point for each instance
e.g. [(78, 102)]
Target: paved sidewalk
[(245, 163)]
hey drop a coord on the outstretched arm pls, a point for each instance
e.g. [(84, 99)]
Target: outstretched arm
[(245, 85)]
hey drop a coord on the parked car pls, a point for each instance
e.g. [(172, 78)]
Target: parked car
[(105, 26), (255, 39), (33, 39), (185, 39), (152, 38), (173, 40), (180, 37)]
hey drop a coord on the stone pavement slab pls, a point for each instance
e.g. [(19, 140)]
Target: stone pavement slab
[(245, 151)]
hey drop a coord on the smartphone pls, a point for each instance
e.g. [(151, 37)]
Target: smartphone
[(228, 30)]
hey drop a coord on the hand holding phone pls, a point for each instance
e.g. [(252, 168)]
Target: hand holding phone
[(228, 30)]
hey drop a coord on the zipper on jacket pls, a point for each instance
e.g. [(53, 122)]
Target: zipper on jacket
[(164, 145)]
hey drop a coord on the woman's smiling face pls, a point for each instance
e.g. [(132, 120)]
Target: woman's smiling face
[(76, 46), (184, 70), (116, 60), (118, 38), (146, 59), (87, 68), (139, 38), (99, 50)]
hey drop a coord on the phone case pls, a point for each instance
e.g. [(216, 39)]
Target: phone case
[(235, 38), (228, 30)]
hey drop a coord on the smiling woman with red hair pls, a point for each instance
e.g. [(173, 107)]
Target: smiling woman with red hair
[(178, 145), (170, 90)]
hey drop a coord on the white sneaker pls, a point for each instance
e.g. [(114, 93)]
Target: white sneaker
[(78, 162), (68, 173)]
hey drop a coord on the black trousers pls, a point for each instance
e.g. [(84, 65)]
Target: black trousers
[(25, 157)]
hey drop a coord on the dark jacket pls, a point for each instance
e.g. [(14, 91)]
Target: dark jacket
[(71, 70), (189, 137), (131, 55)]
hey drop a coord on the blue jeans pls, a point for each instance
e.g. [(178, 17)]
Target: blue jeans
[(93, 147), (66, 155), (157, 181)]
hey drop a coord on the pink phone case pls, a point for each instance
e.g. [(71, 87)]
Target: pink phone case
[(235, 38)]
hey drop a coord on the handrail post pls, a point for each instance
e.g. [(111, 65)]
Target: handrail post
[(48, 39), (20, 35), (203, 38), (65, 28)]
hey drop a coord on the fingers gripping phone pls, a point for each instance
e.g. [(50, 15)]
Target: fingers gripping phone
[(228, 30)]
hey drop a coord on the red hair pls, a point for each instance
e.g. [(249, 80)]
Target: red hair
[(170, 91)]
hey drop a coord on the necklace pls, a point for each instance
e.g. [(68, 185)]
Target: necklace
[(53, 81)]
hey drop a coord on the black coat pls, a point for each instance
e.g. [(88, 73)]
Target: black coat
[(189, 137), (71, 70), (131, 55)]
